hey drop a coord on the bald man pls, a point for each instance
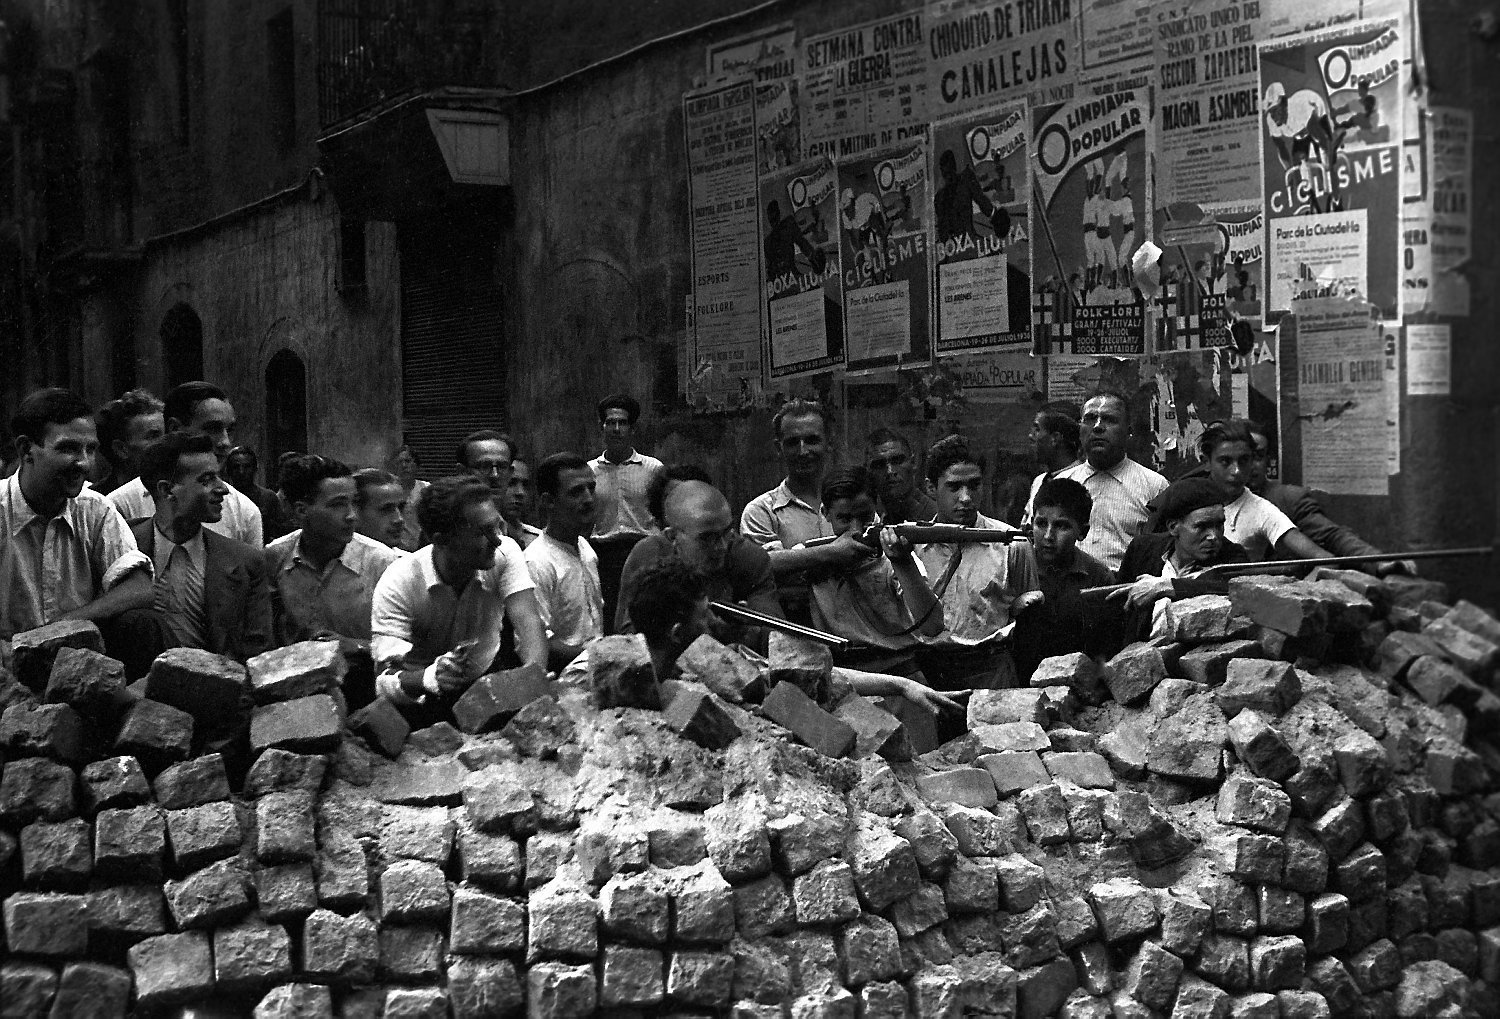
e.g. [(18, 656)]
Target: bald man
[(700, 530)]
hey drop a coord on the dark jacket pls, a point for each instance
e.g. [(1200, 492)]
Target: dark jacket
[(236, 597), (1143, 558)]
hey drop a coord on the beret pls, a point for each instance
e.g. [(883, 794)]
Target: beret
[(1189, 494)]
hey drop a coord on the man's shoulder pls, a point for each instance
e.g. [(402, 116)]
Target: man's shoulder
[(229, 553), (650, 462), (370, 551), (1091, 567), (1139, 472)]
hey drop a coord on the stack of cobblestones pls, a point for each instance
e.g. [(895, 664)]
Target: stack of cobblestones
[(1286, 809)]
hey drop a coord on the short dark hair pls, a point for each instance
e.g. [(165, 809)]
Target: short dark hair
[(798, 407), (461, 451), (656, 488), (162, 460), (301, 477), (244, 451), (1219, 432), (1063, 426), (114, 415), (1113, 394), (548, 474), (371, 477), (620, 401), (946, 452), (48, 407), (440, 510), (880, 436), (1068, 496), (664, 596), (847, 483), (184, 399)]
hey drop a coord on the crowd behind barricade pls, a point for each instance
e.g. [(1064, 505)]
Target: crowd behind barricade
[(145, 518)]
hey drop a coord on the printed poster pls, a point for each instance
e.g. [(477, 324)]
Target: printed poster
[(1390, 335), (883, 200), (1416, 212), (770, 57), (1090, 190), (1115, 32), (998, 376), (1331, 144), (983, 52), (725, 362), (804, 287), (983, 231), (1451, 171), (1208, 102), (864, 87), (1429, 360), (1341, 395)]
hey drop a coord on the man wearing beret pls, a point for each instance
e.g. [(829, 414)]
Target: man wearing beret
[(1162, 567)]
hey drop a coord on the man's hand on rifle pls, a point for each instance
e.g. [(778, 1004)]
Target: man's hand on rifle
[(846, 550), (1143, 592), (1401, 567), (896, 548)]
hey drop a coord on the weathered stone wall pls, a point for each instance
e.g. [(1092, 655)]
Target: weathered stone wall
[(1287, 809)]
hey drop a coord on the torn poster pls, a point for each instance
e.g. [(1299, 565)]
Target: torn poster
[(1429, 360), (1341, 397)]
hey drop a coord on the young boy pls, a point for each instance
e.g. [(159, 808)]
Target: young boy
[(1062, 622), (882, 604)]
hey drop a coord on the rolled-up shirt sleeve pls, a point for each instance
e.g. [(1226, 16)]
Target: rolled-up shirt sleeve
[(391, 629), (115, 545)]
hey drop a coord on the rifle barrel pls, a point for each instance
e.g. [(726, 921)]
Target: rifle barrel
[(922, 534), (1279, 565), (744, 615)]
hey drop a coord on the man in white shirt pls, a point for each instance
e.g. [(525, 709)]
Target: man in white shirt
[(520, 503), (204, 409), (1054, 440), (1253, 523), (64, 552), (1120, 487), (437, 614), (563, 564), (623, 473)]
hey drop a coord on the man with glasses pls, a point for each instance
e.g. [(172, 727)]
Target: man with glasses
[(487, 455), (893, 472)]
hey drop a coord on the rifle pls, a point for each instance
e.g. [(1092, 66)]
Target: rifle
[(743, 615), (1274, 566), (926, 534)]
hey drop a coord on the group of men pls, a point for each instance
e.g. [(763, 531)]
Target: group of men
[(432, 585)]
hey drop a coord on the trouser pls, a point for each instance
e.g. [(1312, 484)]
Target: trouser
[(987, 666), (612, 552)]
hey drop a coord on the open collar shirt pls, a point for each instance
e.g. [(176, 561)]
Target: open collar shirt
[(567, 588), (52, 565), (335, 599), (620, 506), (1120, 497), (977, 583), (177, 594), (780, 516)]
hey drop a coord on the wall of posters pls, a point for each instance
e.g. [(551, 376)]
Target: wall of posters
[(724, 354), (1331, 156), (864, 87), (982, 52), (804, 286), (1341, 397), (1115, 32), (983, 231), (1091, 194), (883, 203), (770, 57)]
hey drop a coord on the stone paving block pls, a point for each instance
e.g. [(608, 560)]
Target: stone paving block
[(57, 854), (790, 707), (34, 789), (1329, 978), (113, 782), (884, 865), (340, 949), (1233, 903), (307, 725), (1435, 681), (34, 652), (633, 907), (205, 685), (496, 803), (884, 999), (545, 855), (1361, 874), (631, 977), (1280, 910), (868, 950), (1209, 664), (1341, 827), (416, 833), (1045, 811), (825, 894), (1363, 766), (313, 1001), (1265, 686), (1197, 997), (1085, 813), (1185, 919), (1013, 771), (203, 834), (192, 783), (877, 732), (42, 730), (297, 670), (935, 847), (136, 910), (492, 861), (1470, 652), (416, 1003), (91, 988), (171, 968), (1377, 967), (763, 907), (702, 904), (287, 892), (699, 716), (342, 874), (558, 991), (1076, 671), (1277, 963), (158, 734), (1153, 975), (1124, 907), (1368, 922), (413, 891), (1452, 768), (972, 787), (922, 909), (561, 921), (251, 954), (1041, 990), (1400, 649), (410, 953), (284, 827), (994, 707), (46, 923), (1289, 607), (1198, 620), (1133, 673), (485, 924), (495, 697), (704, 979), (803, 663), (1225, 960), (1010, 737), (738, 841), (1261, 747), (129, 841), (722, 670), (972, 886), (1188, 744), (382, 726), (209, 897), (1089, 770), (1327, 928), (1255, 803), (479, 988)]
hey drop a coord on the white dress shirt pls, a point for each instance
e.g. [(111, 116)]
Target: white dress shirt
[(1120, 497)]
